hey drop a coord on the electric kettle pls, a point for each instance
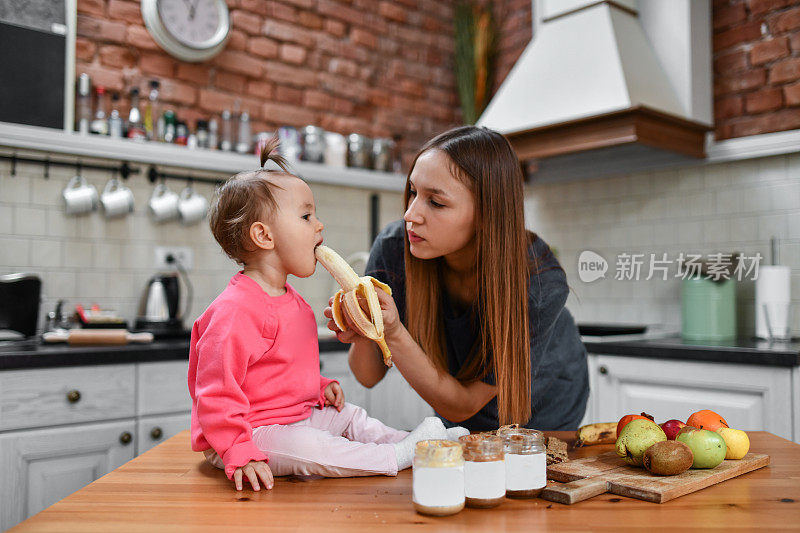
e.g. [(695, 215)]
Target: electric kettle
[(159, 306)]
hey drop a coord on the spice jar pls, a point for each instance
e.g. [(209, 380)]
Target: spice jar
[(313, 144), (526, 462), (484, 470), (359, 151), (438, 478)]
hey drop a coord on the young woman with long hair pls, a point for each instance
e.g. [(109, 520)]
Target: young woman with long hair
[(477, 325)]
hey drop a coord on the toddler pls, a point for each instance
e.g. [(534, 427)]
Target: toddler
[(259, 404)]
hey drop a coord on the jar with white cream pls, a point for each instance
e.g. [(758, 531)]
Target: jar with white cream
[(438, 478), (484, 470), (525, 461)]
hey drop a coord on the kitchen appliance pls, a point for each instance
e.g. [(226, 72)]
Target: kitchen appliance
[(708, 309), (159, 311), (19, 303)]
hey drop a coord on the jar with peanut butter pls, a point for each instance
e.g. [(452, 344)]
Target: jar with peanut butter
[(525, 461), (438, 478), (484, 470)]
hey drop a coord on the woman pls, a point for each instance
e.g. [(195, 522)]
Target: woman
[(477, 325)]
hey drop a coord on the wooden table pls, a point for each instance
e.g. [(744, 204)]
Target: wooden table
[(171, 488)]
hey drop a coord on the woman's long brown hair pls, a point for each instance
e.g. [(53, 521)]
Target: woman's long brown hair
[(485, 162)]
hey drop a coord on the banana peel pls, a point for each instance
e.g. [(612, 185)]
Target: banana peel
[(354, 288), (598, 433)]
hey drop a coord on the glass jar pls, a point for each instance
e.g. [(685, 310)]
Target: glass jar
[(313, 144), (359, 151), (382, 154), (484, 470), (526, 462), (438, 478), (335, 150)]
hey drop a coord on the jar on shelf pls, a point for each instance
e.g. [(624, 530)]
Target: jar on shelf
[(484, 470), (359, 151), (438, 478), (525, 461), (383, 154), (313, 144), (335, 150)]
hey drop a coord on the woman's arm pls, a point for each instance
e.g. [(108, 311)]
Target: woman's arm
[(449, 397)]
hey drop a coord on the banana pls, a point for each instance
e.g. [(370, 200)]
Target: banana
[(599, 433), (352, 287)]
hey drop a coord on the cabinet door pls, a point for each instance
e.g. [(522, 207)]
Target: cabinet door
[(334, 365), (756, 398), (153, 430), (396, 404), (162, 388), (40, 467)]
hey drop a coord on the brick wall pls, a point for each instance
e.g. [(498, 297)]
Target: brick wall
[(756, 66), (513, 19), (380, 68)]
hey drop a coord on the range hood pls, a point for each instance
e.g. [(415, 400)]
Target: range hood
[(621, 82)]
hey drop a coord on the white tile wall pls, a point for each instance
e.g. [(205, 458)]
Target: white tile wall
[(704, 209), (89, 259)]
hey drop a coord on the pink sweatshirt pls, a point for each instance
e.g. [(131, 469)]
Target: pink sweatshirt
[(253, 361)]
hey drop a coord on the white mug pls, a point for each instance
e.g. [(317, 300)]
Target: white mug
[(192, 206), (163, 204), (79, 196), (117, 199)]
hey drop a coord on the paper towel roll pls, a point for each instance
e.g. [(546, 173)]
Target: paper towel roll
[(773, 286)]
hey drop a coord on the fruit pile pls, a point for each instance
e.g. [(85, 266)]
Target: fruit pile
[(704, 441)]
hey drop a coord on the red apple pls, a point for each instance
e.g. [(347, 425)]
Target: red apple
[(672, 427)]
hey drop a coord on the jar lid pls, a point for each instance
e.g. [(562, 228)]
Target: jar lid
[(439, 452), (482, 447)]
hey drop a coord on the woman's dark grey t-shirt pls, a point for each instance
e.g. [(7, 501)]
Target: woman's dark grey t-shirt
[(559, 374)]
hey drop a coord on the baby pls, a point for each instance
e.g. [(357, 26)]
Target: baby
[(259, 404)]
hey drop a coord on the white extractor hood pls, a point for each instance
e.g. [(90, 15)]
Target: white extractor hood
[(623, 79)]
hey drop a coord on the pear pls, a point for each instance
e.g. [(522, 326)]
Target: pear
[(636, 437)]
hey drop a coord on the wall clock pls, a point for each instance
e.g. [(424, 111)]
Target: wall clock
[(191, 30)]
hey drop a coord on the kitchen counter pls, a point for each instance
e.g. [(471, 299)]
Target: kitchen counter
[(34, 354), (742, 351), (170, 488)]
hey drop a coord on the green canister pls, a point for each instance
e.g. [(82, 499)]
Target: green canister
[(708, 309)]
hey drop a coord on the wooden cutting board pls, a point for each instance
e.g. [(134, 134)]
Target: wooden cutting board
[(584, 478)]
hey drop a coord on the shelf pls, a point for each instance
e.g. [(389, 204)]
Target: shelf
[(53, 141)]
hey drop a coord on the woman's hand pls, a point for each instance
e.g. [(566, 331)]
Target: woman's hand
[(391, 319), (253, 470)]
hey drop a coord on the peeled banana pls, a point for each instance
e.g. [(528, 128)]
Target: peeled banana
[(352, 287), (599, 433)]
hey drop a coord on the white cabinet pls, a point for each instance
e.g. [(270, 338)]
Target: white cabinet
[(750, 397), (40, 467), (153, 430), (62, 428), (392, 400)]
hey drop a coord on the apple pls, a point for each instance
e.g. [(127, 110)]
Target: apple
[(672, 427), (708, 447)]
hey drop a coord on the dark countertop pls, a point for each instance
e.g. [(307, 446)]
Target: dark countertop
[(33, 354), (741, 351)]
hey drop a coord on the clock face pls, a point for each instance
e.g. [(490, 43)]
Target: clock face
[(194, 23)]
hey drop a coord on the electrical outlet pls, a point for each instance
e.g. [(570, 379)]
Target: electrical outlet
[(183, 254)]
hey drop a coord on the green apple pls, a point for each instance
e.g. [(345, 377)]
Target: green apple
[(708, 447), (636, 437)]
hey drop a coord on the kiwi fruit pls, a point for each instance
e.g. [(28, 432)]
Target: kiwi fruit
[(668, 458)]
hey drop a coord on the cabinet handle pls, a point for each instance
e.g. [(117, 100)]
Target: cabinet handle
[(603, 370), (73, 396), (126, 438), (156, 433)]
